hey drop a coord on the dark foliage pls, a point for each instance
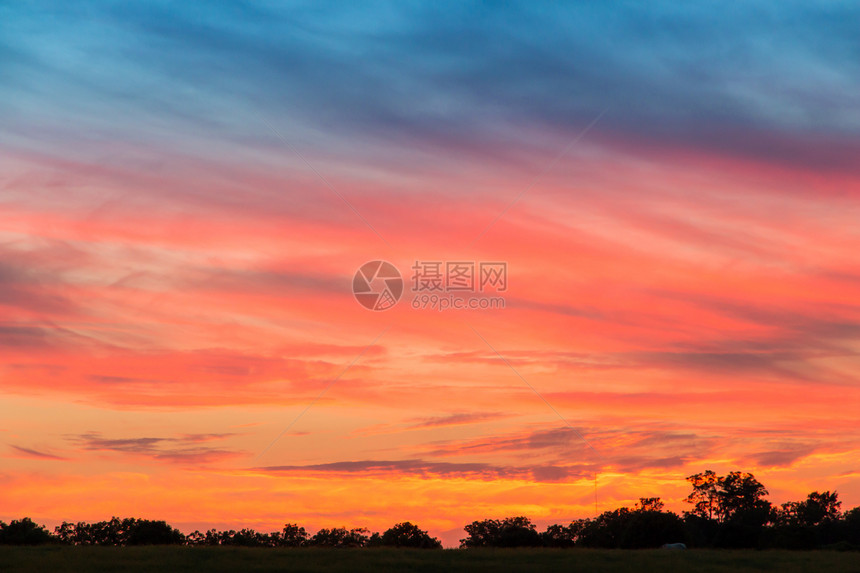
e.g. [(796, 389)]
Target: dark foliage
[(509, 532), (405, 535), (129, 531), (340, 537), (645, 526), (291, 536), (24, 532), (561, 536), (230, 537)]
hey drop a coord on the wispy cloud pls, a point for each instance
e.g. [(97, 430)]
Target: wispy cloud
[(430, 469), (35, 454), (432, 422), (183, 449)]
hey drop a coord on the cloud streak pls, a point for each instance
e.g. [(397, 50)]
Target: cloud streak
[(35, 454), (184, 450)]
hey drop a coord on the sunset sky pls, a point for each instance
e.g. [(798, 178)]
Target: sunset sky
[(186, 194)]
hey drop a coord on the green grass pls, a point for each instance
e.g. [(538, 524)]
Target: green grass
[(213, 559)]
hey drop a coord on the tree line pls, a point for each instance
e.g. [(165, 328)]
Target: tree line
[(725, 511), (132, 531)]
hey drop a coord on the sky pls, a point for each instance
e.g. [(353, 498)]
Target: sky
[(187, 191)]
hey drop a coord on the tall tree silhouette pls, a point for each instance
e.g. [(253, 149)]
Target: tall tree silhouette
[(704, 495), (741, 495)]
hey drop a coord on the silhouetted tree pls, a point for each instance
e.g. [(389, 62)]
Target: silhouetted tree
[(340, 537), (737, 502), (509, 532), (807, 524), (291, 536), (405, 534), (649, 504), (197, 537), (701, 531), (741, 497), (482, 533), (605, 530), (743, 511), (652, 529), (817, 508), (562, 536), (850, 526), (147, 532), (82, 533), (129, 531), (250, 538), (518, 532), (23, 532), (642, 527), (704, 495)]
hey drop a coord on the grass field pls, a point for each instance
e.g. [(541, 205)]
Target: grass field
[(213, 559)]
